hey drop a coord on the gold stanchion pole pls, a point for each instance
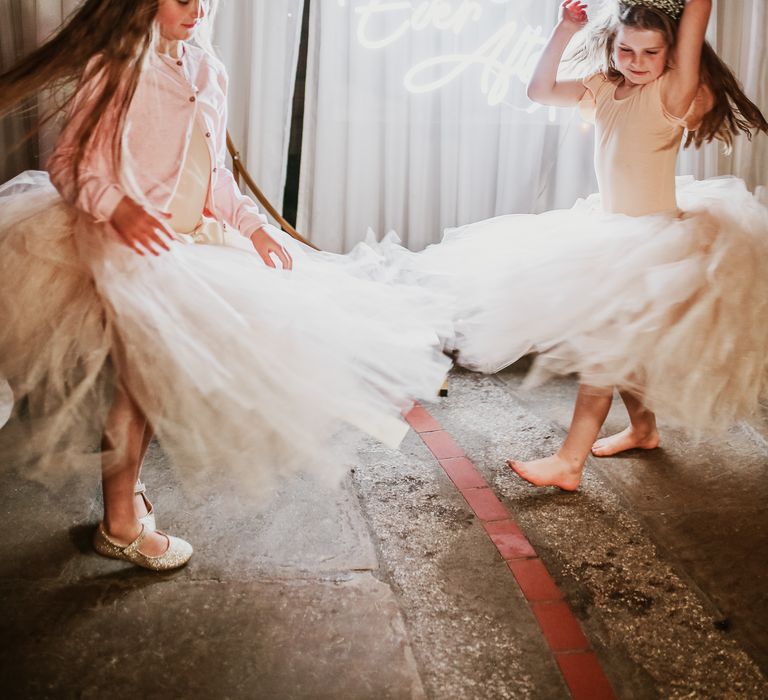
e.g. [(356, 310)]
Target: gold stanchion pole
[(240, 171)]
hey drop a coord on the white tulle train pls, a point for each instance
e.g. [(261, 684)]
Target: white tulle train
[(237, 366), (674, 309)]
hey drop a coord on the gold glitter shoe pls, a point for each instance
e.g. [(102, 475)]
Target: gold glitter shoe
[(149, 518), (177, 554)]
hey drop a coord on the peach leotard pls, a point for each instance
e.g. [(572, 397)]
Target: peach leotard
[(637, 144)]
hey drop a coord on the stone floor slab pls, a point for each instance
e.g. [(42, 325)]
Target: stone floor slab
[(474, 635), (653, 631), (701, 498), (303, 529), (145, 637)]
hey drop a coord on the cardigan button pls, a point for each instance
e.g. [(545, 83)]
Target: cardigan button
[(192, 99), (179, 63), (207, 134)]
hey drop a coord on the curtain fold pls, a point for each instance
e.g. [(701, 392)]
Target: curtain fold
[(17, 20), (416, 117), (739, 33), (259, 44), (24, 25)]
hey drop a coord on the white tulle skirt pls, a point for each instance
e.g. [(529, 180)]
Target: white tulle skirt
[(237, 366), (674, 309)]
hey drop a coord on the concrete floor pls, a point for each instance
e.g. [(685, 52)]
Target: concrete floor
[(702, 501), (388, 587)]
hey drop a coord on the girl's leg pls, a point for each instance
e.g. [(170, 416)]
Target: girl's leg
[(640, 434), (123, 444), (140, 503), (563, 469)]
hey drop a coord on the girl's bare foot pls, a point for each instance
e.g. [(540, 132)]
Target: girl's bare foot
[(550, 471), (627, 439)]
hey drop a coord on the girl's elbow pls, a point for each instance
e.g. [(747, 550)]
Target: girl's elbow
[(533, 92), (539, 95)]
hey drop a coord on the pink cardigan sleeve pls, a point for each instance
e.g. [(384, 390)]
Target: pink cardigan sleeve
[(98, 194), (238, 209)]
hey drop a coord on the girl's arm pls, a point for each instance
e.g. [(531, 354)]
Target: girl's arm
[(544, 86), (682, 82), (98, 193), (101, 197), (237, 208)]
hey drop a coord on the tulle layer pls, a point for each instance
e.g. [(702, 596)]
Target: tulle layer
[(237, 366), (673, 309)]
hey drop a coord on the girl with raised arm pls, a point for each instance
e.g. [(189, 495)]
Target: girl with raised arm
[(687, 340), (656, 288)]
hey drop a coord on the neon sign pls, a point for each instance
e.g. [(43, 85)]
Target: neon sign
[(506, 57)]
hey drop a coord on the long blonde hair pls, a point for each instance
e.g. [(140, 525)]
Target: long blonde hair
[(733, 112), (105, 44)]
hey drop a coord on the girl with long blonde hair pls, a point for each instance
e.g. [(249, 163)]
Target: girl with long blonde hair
[(141, 290)]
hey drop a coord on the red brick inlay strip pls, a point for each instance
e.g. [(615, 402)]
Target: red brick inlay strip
[(565, 638)]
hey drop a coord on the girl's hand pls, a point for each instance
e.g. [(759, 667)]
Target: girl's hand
[(573, 15), (265, 244), (138, 229), (544, 86)]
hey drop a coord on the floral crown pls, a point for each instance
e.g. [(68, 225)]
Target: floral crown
[(674, 8)]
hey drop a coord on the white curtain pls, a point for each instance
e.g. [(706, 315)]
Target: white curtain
[(739, 34), (416, 117), (259, 43)]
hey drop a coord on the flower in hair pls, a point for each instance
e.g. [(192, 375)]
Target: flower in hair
[(674, 8)]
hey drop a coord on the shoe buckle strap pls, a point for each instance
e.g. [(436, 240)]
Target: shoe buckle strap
[(134, 546)]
